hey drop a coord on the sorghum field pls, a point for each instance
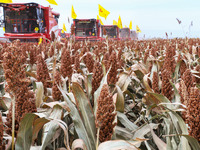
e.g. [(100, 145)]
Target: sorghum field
[(106, 95)]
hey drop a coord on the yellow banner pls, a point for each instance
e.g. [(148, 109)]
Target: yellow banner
[(40, 41), (137, 29), (114, 22), (64, 27), (130, 25), (52, 2), (119, 24), (5, 1), (73, 15), (103, 12)]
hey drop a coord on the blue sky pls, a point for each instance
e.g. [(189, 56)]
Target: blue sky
[(154, 17)]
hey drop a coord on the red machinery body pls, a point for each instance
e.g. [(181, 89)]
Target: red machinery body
[(87, 29), (29, 21), (112, 31), (124, 34)]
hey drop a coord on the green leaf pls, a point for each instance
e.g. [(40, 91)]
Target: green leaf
[(160, 97), (146, 84), (24, 136), (193, 142), (120, 100), (86, 111), (177, 70), (126, 122), (78, 123), (177, 95), (50, 128), (124, 81), (122, 133), (78, 144), (160, 144), (3, 105), (119, 145), (178, 122), (37, 126), (39, 94)]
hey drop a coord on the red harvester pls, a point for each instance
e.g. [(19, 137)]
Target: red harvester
[(124, 34), (29, 21), (87, 29), (112, 31)]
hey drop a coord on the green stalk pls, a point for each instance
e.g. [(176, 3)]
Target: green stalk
[(69, 86), (97, 144), (13, 123)]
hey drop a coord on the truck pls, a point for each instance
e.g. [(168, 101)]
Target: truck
[(86, 29), (28, 22), (111, 31), (124, 34)]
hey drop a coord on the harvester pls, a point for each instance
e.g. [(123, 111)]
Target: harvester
[(110, 31), (86, 29), (134, 35), (124, 34), (28, 22)]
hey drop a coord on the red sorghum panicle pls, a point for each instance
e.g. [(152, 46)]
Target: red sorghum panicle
[(167, 89), (42, 72), (51, 51), (193, 113), (105, 114), (89, 61), (188, 79), (17, 85), (198, 74), (56, 94), (112, 75), (53, 36), (169, 60), (33, 55), (106, 60), (97, 76), (77, 62), (184, 96), (66, 64), (146, 55), (120, 61), (155, 83)]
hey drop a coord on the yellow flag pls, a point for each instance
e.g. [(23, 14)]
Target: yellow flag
[(40, 41), (99, 19), (73, 15), (137, 29), (103, 12), (5, 1), (4, 29), (52, 2), (64, 27), (130, 25), (119, 24), (114, 22), (125, 26)]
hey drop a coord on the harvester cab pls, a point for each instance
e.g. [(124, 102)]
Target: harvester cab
[(133, 35), (124, 34), (28, 21), (86, 29), (110, 31)]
